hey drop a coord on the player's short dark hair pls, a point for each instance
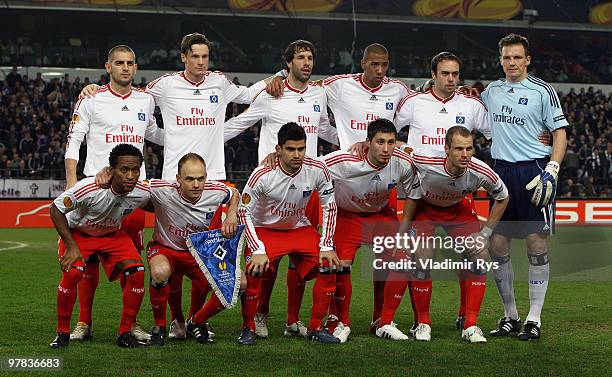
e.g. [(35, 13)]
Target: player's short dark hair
[(290, 131), (123, 150), (445, 55), (123, 48), (380, 125), (297, 46), (451, 132), (193, 39), (188, 157), (514, 39), (374, 48)]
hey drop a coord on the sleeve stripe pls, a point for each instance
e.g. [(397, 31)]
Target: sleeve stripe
[(251, 242), (84, 188), (92, 189), (341, 157), (320, 166), (549, 89), (331, 224), (255, 177), (331, 79), (405, 99), (483, 170), (403, 155)]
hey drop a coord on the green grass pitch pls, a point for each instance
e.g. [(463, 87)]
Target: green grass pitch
[(577, 324)]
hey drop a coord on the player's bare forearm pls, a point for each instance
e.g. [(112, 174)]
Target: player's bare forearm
[(61, 225), (232, 205), (230, 223), (71, 176), (410, 206), (497, 211), (559, 145)]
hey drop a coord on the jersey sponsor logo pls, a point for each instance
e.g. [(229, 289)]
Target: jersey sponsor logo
[(376, 178), (246, 198), (214, 98), (511, 90), (389, 105), (68, 202), (443, 111), (141, 116), (507, 117), (316, 108), (301, 100), (523, 101), (197, 93), (373, 98), (292, 187), (125, 108), (452, 183), (460, 119)]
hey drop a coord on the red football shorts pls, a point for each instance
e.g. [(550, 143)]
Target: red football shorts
[(458, 220), (181, 262), (134, 227), (301, 244), (356, 229), (111, 248)]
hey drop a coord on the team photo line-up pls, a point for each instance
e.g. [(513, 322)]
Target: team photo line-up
[(317, 210)]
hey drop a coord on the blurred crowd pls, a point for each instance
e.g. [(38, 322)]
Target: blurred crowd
[(35, 113), (331, 59)]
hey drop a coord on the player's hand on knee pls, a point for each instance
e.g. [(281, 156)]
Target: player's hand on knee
[(103, 178), (229, 226), (544, 185), (359, 149), (269, 161), (258, 265), (329, 256), (71, 256), (88, 91), (276, 87)]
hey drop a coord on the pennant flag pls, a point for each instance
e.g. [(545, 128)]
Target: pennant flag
[(219, 259)]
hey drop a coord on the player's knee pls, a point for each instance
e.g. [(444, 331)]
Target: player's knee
[(72, 277), (536, 244), (499, 245), (160, 272)]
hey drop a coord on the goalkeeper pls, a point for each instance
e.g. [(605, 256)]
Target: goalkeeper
[(520, 107)]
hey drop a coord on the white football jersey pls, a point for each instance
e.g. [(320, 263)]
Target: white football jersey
[(307, 107), (354, 104), (176, 217), (362, 187), (194, 113), (96, 211), (109, 119), (440, 188), (276, 199), (429, 116)]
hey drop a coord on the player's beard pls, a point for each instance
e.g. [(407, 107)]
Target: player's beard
[(301, 77)]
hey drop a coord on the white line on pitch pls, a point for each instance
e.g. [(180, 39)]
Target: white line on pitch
[(17, 245)]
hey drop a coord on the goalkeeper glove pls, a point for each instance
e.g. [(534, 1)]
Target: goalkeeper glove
[(545, 185)]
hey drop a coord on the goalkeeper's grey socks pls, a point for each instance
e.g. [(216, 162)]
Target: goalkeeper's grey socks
[(504, 278), (539, 274)]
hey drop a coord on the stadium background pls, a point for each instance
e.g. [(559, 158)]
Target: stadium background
[(50, 49)]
